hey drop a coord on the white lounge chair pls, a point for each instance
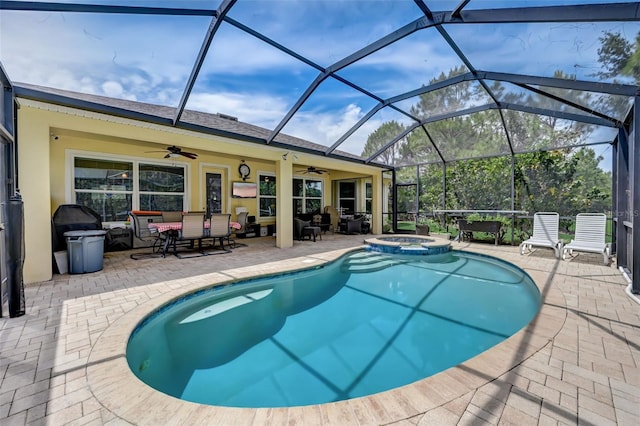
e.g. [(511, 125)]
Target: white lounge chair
[(590, 236), (545, 233)]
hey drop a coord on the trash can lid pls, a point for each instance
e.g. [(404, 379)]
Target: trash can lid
[(87, 233)]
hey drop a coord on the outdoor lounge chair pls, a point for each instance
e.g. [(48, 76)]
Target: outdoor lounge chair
[(545, 233), (589, 236)]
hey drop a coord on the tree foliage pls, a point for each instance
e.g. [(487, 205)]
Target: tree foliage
[(619, 56), (379, 138), (549, 175)]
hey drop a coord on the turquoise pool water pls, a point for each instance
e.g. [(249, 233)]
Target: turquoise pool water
[(366, 323)]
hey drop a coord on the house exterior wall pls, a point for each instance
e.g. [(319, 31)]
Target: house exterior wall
[(47, 134)]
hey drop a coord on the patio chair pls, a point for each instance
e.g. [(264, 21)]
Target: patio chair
[(192, 230), (590, 236), (141, 231), (545, 233), (303, 228), (351, 224), (219, 230), (171, 216)]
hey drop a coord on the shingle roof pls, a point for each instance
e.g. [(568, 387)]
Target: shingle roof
[(194, 120)]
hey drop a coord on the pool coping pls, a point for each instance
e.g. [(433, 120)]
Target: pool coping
[(429, 242), (121, 392)]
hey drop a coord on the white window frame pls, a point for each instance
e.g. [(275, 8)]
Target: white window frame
[(369, 199), (260, 196), (355, 194), (70, 191), (304, 197)]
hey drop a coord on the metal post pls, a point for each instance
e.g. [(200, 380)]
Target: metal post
[(513, 196), (394, 220), (444, 195), (14, 243), (417, 194), (634, 186)]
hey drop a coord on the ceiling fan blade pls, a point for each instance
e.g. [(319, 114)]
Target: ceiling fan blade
[(190, 155)]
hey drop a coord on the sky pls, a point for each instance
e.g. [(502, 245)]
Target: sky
[(149, 58)]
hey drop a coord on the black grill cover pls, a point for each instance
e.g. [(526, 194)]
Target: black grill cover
[(72, 217)]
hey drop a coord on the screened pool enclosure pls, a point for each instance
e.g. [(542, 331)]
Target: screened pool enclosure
[(463, 105)]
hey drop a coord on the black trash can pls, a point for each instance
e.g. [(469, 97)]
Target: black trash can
[(85, 250)]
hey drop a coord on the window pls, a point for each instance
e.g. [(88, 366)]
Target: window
[(368, 197), (112, 188), (161, 187), (267, 195), (347, 197), (104, 186), (307, 196)]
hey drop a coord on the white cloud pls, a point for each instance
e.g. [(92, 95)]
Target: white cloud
[(114, 89), (88, 54), (255, 108)]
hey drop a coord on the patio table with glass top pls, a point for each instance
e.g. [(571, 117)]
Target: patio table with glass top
[(171, 230)]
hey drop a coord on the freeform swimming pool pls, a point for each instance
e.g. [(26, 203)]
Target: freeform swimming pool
[(363, 324)]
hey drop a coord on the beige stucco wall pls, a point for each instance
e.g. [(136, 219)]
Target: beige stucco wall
[(44, 170)]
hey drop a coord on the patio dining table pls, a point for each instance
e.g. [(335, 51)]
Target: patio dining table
[(177, 226), (171, 230)]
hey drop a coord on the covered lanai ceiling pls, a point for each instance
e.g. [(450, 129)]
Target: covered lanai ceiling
[(423, 81)]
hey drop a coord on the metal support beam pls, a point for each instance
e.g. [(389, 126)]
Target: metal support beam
[(612, 12), (394, 213), (546, 94), (390, 101), (355, 127), (99, 8), (398, 34), (312, 87), (513, 198), (433, 143), (426, 121), (432, 87), (444, 186), (424, 8), (506, 133), (454, 114), (391, 142), (204, 48), (559, 114), (634, 184), (561, 83), (455, 13), (619, 199), (270, 42)]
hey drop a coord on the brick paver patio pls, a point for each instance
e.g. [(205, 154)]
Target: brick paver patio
[(576, 363)]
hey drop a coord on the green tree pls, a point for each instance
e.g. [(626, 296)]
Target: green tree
[(593, 185), (482, 184), (545, 181), (383, 135), (619, 56), (563, 180)]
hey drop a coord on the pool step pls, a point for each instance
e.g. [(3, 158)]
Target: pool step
[(368, 262)]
